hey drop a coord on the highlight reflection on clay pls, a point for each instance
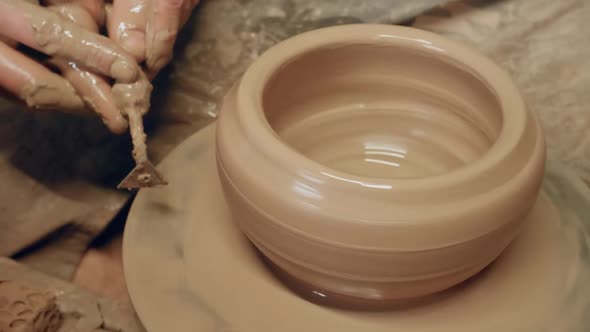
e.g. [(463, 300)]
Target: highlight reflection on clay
[(178, 228), (377, 119), (384, 163), (94, 89), (61, 38)]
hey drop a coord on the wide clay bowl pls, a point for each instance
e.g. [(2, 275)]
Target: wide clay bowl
[(378, 163)]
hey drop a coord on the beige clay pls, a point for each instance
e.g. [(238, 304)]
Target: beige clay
[(95, 91), (128, 25), (378, 163), (23, 309), (57, 37), (48, 91), (75, 13), (51, 93), (209, 278), (35, 85)]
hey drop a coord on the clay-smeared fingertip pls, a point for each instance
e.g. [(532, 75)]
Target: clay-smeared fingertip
[(75, 105), (53, 94), (124, 71), (133, 41), (155, 66), (118, 125)]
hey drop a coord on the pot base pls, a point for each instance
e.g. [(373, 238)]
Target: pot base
[(188, 268), (328, 298), (355, 295)]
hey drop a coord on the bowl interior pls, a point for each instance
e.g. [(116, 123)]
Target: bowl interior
[(383, 111)]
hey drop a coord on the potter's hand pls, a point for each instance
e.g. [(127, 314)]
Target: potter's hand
[(75, 51), (148, 28)]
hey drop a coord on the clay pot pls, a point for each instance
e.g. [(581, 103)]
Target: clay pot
[(378, 163)]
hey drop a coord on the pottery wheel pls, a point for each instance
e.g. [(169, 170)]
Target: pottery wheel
[(188, 268)]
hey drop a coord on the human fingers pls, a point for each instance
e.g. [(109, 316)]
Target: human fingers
[(8, 41), (93, 88), (53, 35), (186, 14), (37, 86), (163, 23), (96, 93), (75, 13), (126, 25), (95, 8)]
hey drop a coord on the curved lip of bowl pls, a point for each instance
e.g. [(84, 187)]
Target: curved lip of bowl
[(258, 130)]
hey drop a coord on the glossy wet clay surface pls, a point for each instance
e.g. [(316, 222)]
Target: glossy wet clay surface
[(331, 148), (209, 277), (384, 113)]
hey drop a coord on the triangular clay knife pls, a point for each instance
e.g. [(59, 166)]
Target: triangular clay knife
[(133, 100)]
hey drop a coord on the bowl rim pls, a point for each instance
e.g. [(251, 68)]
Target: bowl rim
[(257, 129)]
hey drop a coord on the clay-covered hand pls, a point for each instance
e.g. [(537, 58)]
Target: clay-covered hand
[(66, 31), (148, 28)]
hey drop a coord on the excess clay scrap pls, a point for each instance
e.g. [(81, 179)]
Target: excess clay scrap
[(24, 309)]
